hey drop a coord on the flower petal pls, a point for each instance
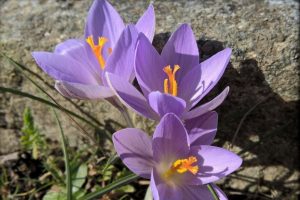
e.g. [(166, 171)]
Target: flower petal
[(201, 192), (212, 70), (81, 52), (64, 68), (148, 66), (122, 58), (202, 130), (220, 193), (161, 191), (214, 163), (209, 106), (181, 49), (83, 91), (104, 21), (135, 149), (130, 96), (146, 23), (170, 140), (190, 84), (164, 103)]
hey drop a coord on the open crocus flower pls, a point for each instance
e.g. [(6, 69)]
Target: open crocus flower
[(78, 65), (173, 81), (177, 167)]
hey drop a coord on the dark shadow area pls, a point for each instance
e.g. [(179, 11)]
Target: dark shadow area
[(269, 132)]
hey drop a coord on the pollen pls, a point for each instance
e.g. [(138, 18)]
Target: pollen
[(98, 49), (170, 83)]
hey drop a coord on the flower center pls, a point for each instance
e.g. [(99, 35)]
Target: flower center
[(170, 83), (98, 49), (181, 166)]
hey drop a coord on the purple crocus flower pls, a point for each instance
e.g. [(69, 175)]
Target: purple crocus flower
[(178, 166), (173, 81), (78, 65)]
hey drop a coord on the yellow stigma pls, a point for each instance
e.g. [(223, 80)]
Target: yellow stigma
[(97, 49), (170, 83), (181, 166)]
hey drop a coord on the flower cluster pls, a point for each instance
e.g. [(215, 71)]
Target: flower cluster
[(179, 158)]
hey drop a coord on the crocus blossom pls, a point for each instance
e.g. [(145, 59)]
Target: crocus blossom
[(78, 65), (173, 81), (177, 167)]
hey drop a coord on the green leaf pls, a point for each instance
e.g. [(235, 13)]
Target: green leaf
[(80, 193), (108, 173), (116, 184), (213, 192), (32, 140), (148, 195), (28, 120), (66, 158), (112, 159), (79, 178), (56, 195), (126, 189)]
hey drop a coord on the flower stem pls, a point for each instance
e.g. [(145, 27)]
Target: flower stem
[(123, 110), (213, 192), (127, 117)]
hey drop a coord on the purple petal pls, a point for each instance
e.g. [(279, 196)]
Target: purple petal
[(122, 58), (181, 49), (130, 96), (64, 68), (220, 193), (202, 130), (135, 149), (214, 163), (70, 48), (190, 84), (81, 52), (146, 23), (209, 106), (148, 66), (162, 191), (200, 192), (83, 91), (170, 140), (104, 20), (164, 103), (212, 70)]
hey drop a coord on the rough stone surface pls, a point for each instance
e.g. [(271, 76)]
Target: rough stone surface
[(264, 71)]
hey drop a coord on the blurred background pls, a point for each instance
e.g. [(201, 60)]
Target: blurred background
[(259, 119)]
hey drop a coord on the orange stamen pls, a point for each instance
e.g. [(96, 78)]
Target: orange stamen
[(97, 49), (183, 165), (170, 83)]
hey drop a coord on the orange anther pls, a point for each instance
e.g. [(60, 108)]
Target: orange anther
[(170, 83)]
